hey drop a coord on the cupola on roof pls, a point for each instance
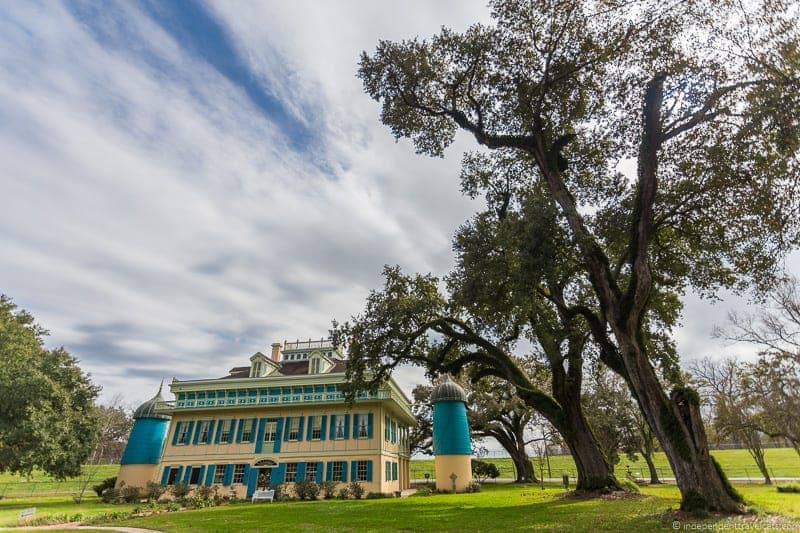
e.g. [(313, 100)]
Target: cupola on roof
[(448, 391), (148, 408)]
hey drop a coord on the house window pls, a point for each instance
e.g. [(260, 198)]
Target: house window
[(361, 471), (315, 366), (226, 430), (194, 477), (271, 430), (394, 471), (219, 474), (291, 473), (362, 426), (238, 473), (183, 436), (247, 434), (173, 476), (316, 428), (336, 471), (203, 432), (340, 426), (311, 471), (294, 428), (388, 475), (386, 428)]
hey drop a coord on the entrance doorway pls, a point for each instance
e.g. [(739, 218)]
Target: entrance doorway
[(264, 468)]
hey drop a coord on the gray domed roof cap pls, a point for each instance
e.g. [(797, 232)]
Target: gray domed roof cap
[(148, 408), (448, 391)]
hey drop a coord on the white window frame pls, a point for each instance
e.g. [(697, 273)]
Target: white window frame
[(363, 426), (337, 470), (361, 471), (311, 471), (340, 429), (316, 428), (238, 473), (219, 474), (290, 476), (247, 433), (271, 430), (294, 428)]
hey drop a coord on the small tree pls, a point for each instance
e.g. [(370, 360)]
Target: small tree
[(481, 470)]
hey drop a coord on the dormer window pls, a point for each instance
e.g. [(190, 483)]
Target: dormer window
[(315, 363), (261, 365), (257, 369)]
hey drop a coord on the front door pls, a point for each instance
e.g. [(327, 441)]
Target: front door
[(262, 482)]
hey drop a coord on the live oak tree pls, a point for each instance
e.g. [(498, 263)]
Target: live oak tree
[(701, 97), (47, 417)]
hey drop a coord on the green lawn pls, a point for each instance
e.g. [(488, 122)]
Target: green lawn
[(40, 484), (503, 506), (55, 505), (782, 462)]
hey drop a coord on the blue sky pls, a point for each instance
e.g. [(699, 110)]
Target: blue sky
[(184, 183)]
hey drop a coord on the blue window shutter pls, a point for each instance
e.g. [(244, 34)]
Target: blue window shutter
[(200, 475), (210, 475), (228, 477), (232, 430), (246, 476), (178, 475), (189, 432), (310, 427), (386, 428), (239, 430), (251, 481), (388, 471), (260, 434), (355, 425), (369, 426), (209, 435), (253, 423), (394, 471), (328, 471), (333, 427), (165, 475), (187, 474), (353, 470), (219, 431), (344, 470), (286, 427), (369, 470), (276, 446), (394, 431), (322, 427), (300, 428), (318, 476), (197, 429), (278, 474), (177, 433), (346, 425), (301, 472)]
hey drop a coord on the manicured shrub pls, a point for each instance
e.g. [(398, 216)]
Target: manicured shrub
[(306, 490), (344, 493), (130, 494), (153, 491), (356, 489), (110, 495), (378, 495), (107, 483), (424, 490), (474, 486), (328, 489), (481, 470), (180, 490)]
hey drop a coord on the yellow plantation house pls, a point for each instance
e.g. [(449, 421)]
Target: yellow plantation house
[(280, 420)]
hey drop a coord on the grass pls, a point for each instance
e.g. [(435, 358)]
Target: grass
[(41, 484), (506, 506), (55, 505), (781, 462)]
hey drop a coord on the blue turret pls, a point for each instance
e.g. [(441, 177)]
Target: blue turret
[(451, 443), (148, 434)]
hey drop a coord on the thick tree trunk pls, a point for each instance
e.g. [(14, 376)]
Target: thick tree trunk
[(677, 424), (524, 468), (594, 471), (648, 458)]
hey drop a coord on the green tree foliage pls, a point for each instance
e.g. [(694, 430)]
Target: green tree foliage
[(703, 96), (481, 470), (47, 418)]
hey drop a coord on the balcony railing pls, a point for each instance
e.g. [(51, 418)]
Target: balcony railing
[(249, 401)]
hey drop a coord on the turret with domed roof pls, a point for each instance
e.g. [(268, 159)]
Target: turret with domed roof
[(143, 452), (451, 444)]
